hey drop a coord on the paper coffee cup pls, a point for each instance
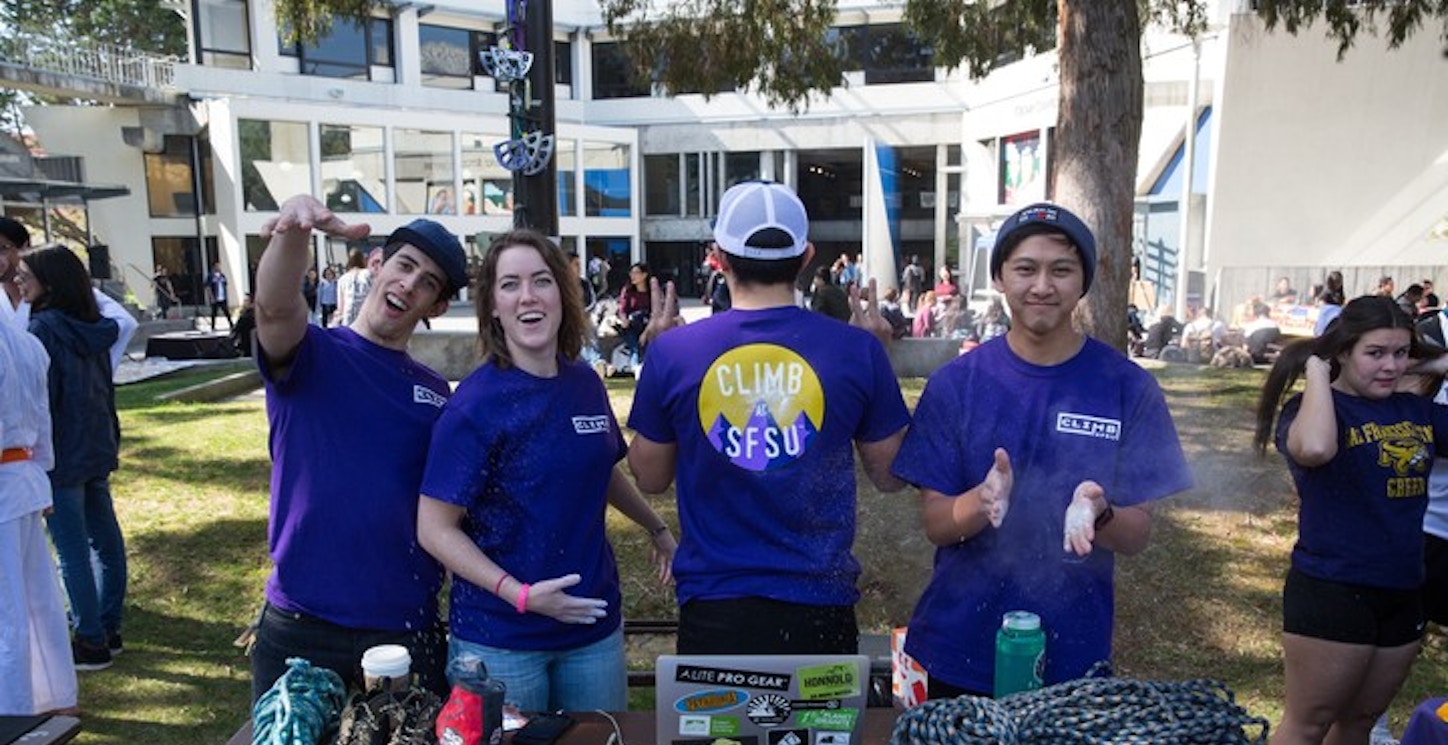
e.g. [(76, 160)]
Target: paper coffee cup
[(391, 662)]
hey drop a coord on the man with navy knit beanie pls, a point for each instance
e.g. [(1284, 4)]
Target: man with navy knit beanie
[(1037, 456), (351, 418), (757, 412)]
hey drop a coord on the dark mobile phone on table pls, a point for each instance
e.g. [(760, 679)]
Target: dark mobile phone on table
[(543, 729)]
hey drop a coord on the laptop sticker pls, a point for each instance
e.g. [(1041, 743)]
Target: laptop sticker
[(768, 710), (834, 680), (718, 699), (726, 677)]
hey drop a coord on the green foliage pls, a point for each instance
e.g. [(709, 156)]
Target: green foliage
[(980, 36), (781, 49), (308, 20), (145, 25), (1396, 20)]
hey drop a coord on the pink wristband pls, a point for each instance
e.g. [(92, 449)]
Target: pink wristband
[(498, 587), (523, 597)]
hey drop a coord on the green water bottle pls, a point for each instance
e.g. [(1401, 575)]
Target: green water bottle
[(1020, 653)]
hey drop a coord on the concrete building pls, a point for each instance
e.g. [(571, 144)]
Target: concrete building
[(1299, 163)]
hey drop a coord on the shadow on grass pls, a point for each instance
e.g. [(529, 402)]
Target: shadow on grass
[(211, 570), (210, 471)]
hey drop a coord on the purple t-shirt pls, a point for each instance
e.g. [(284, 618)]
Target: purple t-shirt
[(350, 425), (530, 458), (1360, 516), (764, 406), (1097, 416)]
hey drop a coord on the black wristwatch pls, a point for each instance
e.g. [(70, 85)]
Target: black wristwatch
[(1105, 517)]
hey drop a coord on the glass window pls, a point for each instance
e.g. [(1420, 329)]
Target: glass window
[(379, 48), (340, 53), (563, 62), (896, 56), (613, 73), (740, 167), (182, 259), (168, 179), (606, 180), (275, 162), (354, 174), (447, 56), (693, 184), (423, 172), (661, 185), (566, 163), (223, 27), (487, 186)]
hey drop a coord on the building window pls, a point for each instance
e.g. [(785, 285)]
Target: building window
[(563, 62), (423, 172), (740, 167), (613, 73), (275, 162), (487, 186), (170, 188), (348, 50), (221, 28), (448, 56), (606, 183), (182, 259), (566, 163), (354, 173), (887, 53), (662, 185)]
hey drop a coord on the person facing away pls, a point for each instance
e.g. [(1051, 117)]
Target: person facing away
[(1360, 451), (913, 280), (86, 438), (524, 463), (1038, 457), (347, 459), (827, 297), (35, 657), (757, 414), (352, 287)]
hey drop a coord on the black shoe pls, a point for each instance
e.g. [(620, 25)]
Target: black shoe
[(89, 658), (113, 641)]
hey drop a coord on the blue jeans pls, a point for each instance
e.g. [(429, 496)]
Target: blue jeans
[(581, 679), (84, 521)]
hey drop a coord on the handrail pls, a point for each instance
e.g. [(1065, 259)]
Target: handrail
[(92, 60)]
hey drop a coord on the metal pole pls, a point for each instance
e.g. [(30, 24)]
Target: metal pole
[(1184, 209), (536, 196)]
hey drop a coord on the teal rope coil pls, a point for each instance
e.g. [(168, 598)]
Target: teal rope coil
[(303, 705), (1088, 711)]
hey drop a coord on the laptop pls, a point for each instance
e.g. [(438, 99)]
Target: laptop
[(760, 699)]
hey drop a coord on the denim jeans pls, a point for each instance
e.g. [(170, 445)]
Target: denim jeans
[(281, 634), (84, 521), (585, 678)]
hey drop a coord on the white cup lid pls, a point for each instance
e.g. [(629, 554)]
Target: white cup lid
[(387, 660), (1019, 620)]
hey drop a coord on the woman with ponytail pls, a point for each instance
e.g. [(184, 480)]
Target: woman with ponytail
[(1359, 452)]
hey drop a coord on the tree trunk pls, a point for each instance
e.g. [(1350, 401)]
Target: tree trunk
[(1098, 132)]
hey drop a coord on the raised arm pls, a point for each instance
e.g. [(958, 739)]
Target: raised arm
[(281, 311), (1312, 436)]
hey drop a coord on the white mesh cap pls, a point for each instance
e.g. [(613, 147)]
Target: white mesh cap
[(752, 207)]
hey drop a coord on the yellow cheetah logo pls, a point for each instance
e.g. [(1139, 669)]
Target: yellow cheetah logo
[(1404, 455)]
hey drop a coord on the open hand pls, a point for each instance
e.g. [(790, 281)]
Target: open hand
[(548, 598), (663, 311), (303, 214), (995, 490), (1081, 518), (662, 555), (866, 314)]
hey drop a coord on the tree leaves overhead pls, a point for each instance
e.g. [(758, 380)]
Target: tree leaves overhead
[(781, 49), (145, 25), (1396, 20), (307, 20), (979, 36)]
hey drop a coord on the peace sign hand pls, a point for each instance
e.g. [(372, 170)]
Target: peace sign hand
[(663, 311)]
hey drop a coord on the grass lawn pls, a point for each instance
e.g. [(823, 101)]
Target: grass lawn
[(1202, 601)]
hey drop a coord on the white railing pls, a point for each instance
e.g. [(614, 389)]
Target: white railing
[(91, 60)]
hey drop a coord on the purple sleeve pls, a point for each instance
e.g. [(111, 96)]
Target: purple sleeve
[(932, 449), (459, 457), (648, 416), (886, 412), (1151, 464)]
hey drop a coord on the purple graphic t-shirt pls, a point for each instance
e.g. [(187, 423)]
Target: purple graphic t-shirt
[(764, 406)]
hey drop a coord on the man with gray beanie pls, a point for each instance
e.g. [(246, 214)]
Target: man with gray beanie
[(1037, 456), (351, 418), (758, 413)]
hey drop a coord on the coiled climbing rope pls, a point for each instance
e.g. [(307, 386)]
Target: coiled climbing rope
[(1089, 711), (303, 705)]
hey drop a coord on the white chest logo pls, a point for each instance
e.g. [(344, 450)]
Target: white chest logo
[(1088, 426), (590, 425), (421, 394)]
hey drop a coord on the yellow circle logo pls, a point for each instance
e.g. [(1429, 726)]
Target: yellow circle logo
[(761, 405)]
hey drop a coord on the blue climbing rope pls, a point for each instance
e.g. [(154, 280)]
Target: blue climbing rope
[(1089, 711), (303, 705)]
